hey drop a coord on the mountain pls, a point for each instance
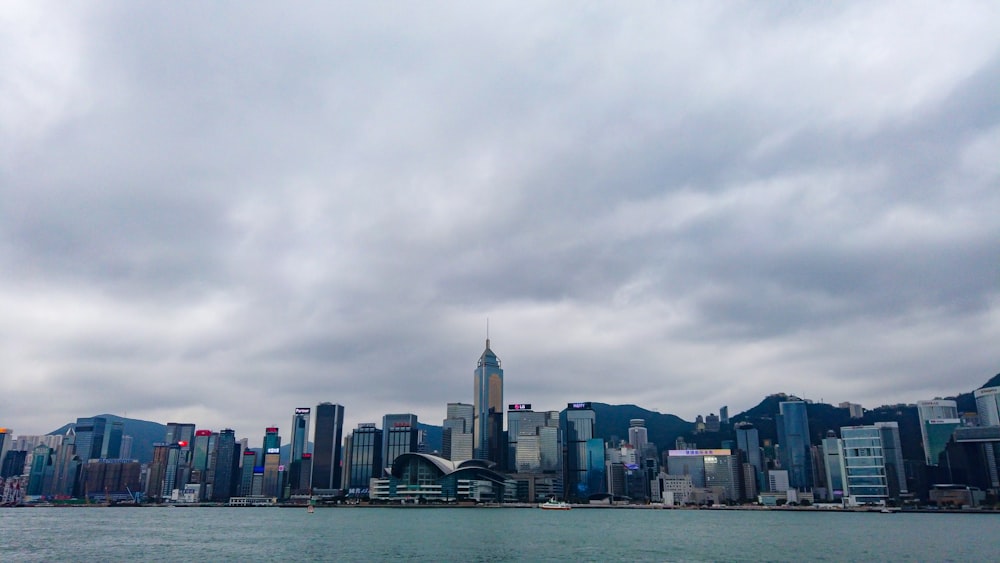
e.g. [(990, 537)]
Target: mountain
[(143, 432), (661, 429)]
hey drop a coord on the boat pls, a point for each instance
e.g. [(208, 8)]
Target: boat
[(553, 504), (310, 509)]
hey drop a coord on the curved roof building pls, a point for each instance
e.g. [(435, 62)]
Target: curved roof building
[(419, 475)]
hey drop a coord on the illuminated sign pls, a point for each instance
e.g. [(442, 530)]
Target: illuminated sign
[(281, 468), (401, 425), (271, 430), (182, 443), (274, 450), (4, 431), (249, 452), (258, 469), (674, 453), (578, 406), (307, 456), (519, 407), (303, 410), (203, 433)]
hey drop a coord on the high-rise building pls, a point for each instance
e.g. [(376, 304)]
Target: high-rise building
[(227, 464), (400, 435), (938, 420), (13, 464), (488, 405), (582, 469), (90, 434), (793, 435), (112, 446), (872, 463), (522, 421), (126, 449), (300, 439), (157, 472), (832, 465), (853, 409), (724, 414), (533, 445), (327, 438), (366, 459), (180, 433), (248, 462), (199, 459), (988, 405), (456, 433), (41, 467), (272, 485), (748, 446), (6, 439), (638, 436)]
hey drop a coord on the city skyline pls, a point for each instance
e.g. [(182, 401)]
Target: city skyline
[(218, 214)]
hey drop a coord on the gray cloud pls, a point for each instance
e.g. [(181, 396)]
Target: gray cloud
[(217, 215)]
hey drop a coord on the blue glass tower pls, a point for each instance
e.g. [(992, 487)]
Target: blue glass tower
[(793, 435), (488, 414), (584, 463)]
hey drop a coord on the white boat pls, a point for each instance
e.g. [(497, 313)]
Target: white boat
[(553, 504)]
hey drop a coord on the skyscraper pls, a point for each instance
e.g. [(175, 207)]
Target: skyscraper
[(300, 437), (638, 436), (532, 439), (112, 446), (227, 464), (578, 422), (938, 419), (793, 435), (456, 434), (488, 404), (366, 458), (327, 437), (400, 435), (273, 485), (748, 445), (988, 405), (832, 464), (90, 437), (872, 463)]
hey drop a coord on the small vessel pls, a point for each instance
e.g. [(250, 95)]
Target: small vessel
[(553, 504), (311, 508)]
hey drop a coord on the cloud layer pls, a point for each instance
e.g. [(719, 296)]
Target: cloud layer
[(218, 213)]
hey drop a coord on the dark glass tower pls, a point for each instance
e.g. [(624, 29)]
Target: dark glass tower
[(326, 446), (400, 435), (578, 422), (227, 463), (366, 458), (90, 437), (793, 435), (300, 437), (748, 444), (488, 407), (112, 446)]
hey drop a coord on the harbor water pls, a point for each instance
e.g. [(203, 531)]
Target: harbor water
[(489, 534)]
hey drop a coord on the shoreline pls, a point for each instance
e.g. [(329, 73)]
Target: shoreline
[(805, 509)]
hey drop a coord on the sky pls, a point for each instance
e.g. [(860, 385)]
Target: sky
[(218, 212)]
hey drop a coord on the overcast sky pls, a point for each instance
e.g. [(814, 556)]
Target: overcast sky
[(218, 212)]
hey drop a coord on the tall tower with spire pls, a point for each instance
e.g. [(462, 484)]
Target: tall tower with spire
[(487, 424)]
